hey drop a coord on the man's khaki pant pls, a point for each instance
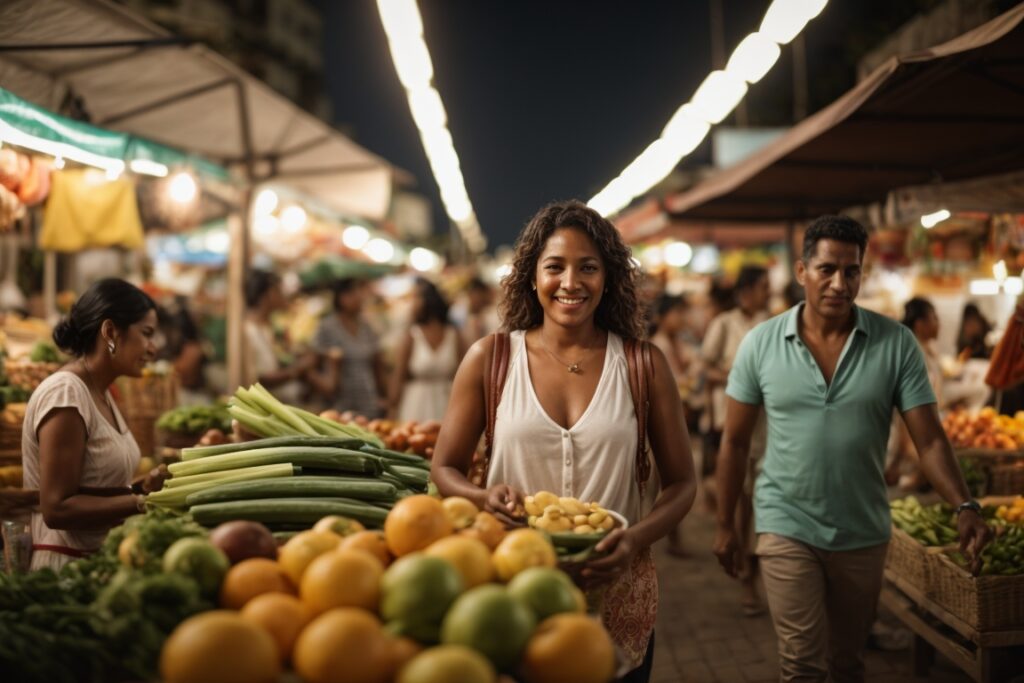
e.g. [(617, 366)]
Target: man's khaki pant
[(822, 604)]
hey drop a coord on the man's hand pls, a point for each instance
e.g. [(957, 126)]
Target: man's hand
[(974, 536), (727, 550)]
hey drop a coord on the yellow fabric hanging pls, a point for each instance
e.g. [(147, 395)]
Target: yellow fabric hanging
[(85, 210)]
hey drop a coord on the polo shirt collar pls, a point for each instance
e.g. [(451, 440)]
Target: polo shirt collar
[(860, 321)]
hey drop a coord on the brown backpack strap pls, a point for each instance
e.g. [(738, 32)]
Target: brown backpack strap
[(640, 366), (495, 372)]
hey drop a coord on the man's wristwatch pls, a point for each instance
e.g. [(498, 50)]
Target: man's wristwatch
[(968, 505)]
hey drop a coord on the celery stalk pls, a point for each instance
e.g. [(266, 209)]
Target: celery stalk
[(175, 482), (175, 497), (268, 402)]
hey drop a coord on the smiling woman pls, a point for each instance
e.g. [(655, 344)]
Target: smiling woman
[(76, 447), (565, 419)]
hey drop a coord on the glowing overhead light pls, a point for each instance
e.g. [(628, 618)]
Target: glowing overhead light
[(678, 254), (14, 136), (266, 226), (58, 162), (423, 259), (293, 219), (1013, 286), (984, 287), (380, 250), (266, 202), (355, 237), (753, 58), (999, 271), (786, 18), (147, 167), (217, 241), (718, 95), (404, 28), (930, 220), (115, 170), (183, 188)]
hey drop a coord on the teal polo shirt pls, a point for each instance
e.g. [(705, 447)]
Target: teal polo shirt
[(822, 480)]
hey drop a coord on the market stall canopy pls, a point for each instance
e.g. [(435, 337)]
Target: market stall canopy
[(135, 77), (952, 112)]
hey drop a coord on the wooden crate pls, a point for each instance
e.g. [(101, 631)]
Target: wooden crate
[(986, 603), (1006, 479)]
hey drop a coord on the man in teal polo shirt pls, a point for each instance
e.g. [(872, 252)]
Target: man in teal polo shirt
[(828, 375)]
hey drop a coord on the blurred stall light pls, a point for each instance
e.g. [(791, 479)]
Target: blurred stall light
[(58, 162), (217, 241), (984, 287), (929, 221), (423, 260), (705, 259), (266, 227), (195, 244), (999, 271), (355, 237), (266, 202), (718, 95), (653, 256), (897, 285), (786, 18), (678, 254), (380, 250), (115, 170), (753, 58), (404, 28), (1013, 286), (147, 167), (182, 187), (14, 136), (293, 219), (503, 271)]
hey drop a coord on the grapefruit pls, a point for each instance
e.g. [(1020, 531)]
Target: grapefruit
[(342, 578), (492, 622), (342, 645), (282, 616), (447, 664), (569, 648), (198, 559), (250, 578), (416, 591), (522, 549), (414, 523), (469, 556), (219, 647), (545, 591)]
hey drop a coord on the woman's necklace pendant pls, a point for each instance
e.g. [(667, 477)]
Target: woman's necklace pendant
[(574, 368)]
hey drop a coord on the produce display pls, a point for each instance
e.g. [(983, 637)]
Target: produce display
[(417, 437), (974, 476), (985, 429), (1012, 513), (44, 352), (932, 525), (11, 476), (1003, 556), (196, 419)]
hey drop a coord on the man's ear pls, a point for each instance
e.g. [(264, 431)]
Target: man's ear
[(800, 268)]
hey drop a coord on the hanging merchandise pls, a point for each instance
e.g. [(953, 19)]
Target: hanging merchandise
[(11, 209), (86, 209), (35, 185)]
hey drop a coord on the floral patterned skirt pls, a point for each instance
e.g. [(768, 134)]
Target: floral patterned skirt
[(629, 608)]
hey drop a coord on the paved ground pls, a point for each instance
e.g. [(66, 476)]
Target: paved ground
[(702, 637)]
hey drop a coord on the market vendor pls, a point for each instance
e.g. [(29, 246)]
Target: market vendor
[(827, 375), (566, 421), (76, 447)]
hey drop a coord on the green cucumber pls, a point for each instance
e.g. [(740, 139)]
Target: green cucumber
[(341, 459), (288, 511), (298, 487), (399, 458), (272, 442)]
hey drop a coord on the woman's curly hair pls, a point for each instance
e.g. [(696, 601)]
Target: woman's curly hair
[(619, 310)]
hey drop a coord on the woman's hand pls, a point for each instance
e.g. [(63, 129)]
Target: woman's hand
[(621, 549), (155, 478), (505, 503)]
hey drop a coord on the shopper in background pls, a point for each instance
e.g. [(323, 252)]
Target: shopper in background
[(427, 359), (76, 447), (359, 384), (828, 375), (972, 342), (752, 293), (566, 422), (481, 317), (267, 360)]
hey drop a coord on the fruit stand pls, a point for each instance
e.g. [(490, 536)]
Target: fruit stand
[(977, 622)]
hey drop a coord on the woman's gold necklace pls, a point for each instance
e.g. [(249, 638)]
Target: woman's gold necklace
[(573, 368)]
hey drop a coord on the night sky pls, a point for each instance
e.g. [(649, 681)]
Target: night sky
[(551, 100)]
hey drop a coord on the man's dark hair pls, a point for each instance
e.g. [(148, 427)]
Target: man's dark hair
[(748, 277), (916, 309), (838, 228)]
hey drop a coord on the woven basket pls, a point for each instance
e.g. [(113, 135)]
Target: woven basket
[(986, 603), (910, 560), (150, 396), (1006, 479)]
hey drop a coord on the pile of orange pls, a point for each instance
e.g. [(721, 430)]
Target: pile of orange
[(415, 603)]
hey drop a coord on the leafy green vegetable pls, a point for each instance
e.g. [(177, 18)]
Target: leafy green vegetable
[(44, 352), (196, 419)]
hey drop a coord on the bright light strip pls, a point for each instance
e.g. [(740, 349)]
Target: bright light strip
[(718, 95), (423, 259), (14, 136), (404, 28), (147, 167), (355, 237), (678, 254), (929, 221), (984, 287), (380, 250)]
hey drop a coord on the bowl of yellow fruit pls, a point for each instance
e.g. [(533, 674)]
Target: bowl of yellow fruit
[(574, 526)]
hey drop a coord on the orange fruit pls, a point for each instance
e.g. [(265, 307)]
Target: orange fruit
[(461, 511), (569, 648), (219, 647), (447, 664), (342, 578), (336, 524), (372, 542), (280, 615), (414, 523), (522, 549), (302, 549), (469, 556), (400, 651), (250, 578), (342, 645), (486, 528)]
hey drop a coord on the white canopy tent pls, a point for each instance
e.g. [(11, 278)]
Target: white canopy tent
[(133, 76)]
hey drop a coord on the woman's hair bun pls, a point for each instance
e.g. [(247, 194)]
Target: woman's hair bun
[(66, 336)]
